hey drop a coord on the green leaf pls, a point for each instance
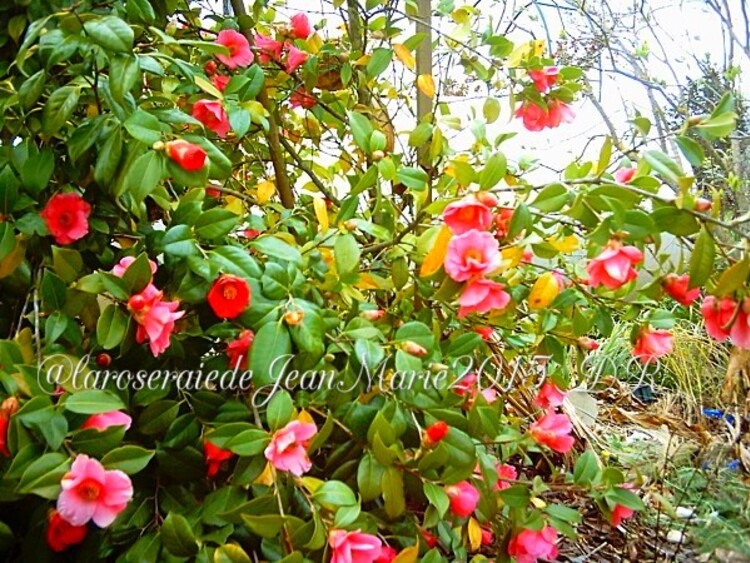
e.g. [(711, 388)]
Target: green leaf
[(586, 468), (719, 126), (130, 459), (361, 129), (178, 537), (437, 497), (520, 220), (702, 259), (493, 171), (414, 178), (108, 158), (93, 401), (334, 494), (53, 291), (733, 278), (37, 170), (624, 497), (379, 61), (42, 477), (667, 168), (369, 476), (235, 260), (346, 253), (392, 484), (178, 241), (266, 525), (157, 417), (111, 33), (138, 275), (692, 150), (552, 198), (278, 248), (66, 261), (144, 175), (267, 357), (32, 89), (59, 108), (420, 135), (124, 72), (491, 110), (112, 327), (215, 223), (280, 410), (143, 127), (605, 155)]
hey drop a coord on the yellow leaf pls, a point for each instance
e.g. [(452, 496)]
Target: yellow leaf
[(321, 213), (426, 85), (14, 259), (266, 189), (305, 416), (208, 87), (565, 245), (539, 503), (266, 478), (435, 257), (408, 555), (234, 204), (361, 61), (314, 43), (534, 48), (311, 483), (366, 281), (475, 534), (404, 55), (544, 291), (511, 257)]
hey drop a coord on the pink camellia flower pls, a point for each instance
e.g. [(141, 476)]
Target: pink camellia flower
[(295, 59), (505, 473), (677, 287), (90, 492), (469, 385), (387, 554), (620, 512), (463, 216), (613, 268), (528, 256), (220, 81), (652, 344), (268, 49), (740, 331), (155, 318), (301, 28), (529, 545), (238, 350), (624, 175), (464, 498), (301, 98), (122, 266), (717, 314), (549, 396), (288, 448), (240, 54), (534, 117), (545, 78), (372, 314), (104, 420), (553, 430), (471, 254), (559, 112), (211, 113), (482, 295), (67, 217), (353, 547), (488, 536)]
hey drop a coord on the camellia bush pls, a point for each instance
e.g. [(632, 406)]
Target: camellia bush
[(252, 309)]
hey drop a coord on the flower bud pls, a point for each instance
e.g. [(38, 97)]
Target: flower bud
[(293, 318), (435, 432), (136, 302), (350, 225), (436, 367), (703, 205), (210, 68), (378, 155), (103, 360), (588, 343), (411, 347), (9, 406), (158, 146), (487, 198), (372, 314)]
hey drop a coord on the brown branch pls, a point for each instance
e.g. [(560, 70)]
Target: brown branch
[(307, 170), (274, 144)]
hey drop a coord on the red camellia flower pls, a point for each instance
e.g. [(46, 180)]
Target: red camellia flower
[(530, 545), (214, 456), (464, 498), (545, 78), (436, 432), (549, 396), (613, 268), (488, 536), (534, 117), (301, 98), (220, 81), (559, 112), (240, 54), (588, 343), (502, 221), (717, 314), (211, 113), (387, 554), (67, 217), (553, 430), (505, 473), (4, 423), (61, 535), (295, 58), (677, 287), (268, 49), (238, 350), (485, 332), (229, 296), (429, 538), (301, 28), (189, 156), (652, 344), (620, 512), (624, 175), (463, 216)]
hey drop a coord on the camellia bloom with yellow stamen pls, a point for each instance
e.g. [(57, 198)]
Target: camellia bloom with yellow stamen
[(229, 296)]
